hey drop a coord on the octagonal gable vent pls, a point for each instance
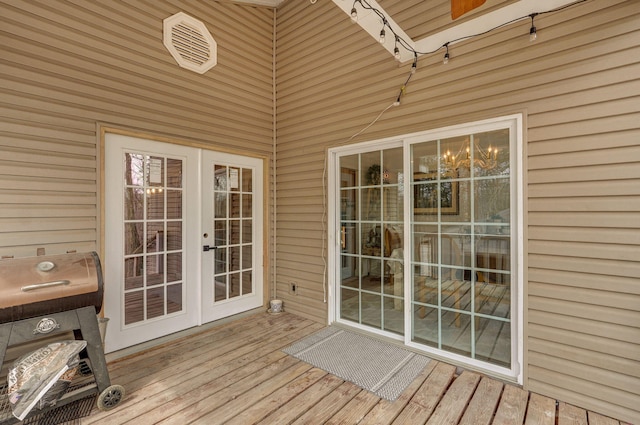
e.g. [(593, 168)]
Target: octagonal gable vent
[(190, 43)]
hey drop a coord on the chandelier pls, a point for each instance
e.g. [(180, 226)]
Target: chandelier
[(482, 158)]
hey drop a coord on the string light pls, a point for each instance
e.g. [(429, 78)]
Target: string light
[(382, 32), (533, 33), (396, 50), (399, 41)]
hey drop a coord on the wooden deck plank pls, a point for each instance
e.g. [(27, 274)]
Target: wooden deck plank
[(159, 394), (224, 405), (541, 410), (571, 415), (259, 410), (330, 405), (428, 396), (453, 404), (386, 411), (512, 406), (598, 419), (299, 405), (483, 404), (237, 373), (185, 400), (178, 362), (355, 410), (168, 350)]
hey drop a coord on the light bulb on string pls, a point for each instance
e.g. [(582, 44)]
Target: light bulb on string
[(382, 36), (354, 15), (445, 60), (533, 32), (396, 50)]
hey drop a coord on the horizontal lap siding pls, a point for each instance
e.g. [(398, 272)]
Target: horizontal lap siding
[(579, 87), (69, 65)]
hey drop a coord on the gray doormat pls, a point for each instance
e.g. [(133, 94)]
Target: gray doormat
[(382, 368)]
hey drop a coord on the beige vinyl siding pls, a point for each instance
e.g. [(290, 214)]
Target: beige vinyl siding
[(68, 66), (579, 89)]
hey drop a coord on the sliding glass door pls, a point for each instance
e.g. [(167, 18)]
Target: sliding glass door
[(432, 217), (371, 239), (461, 259)]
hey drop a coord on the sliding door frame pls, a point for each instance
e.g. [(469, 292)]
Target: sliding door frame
[(515, 123)]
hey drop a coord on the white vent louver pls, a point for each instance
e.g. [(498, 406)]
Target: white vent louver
[(190, 43)]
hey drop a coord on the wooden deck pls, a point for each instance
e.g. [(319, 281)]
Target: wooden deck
[(236, 374)]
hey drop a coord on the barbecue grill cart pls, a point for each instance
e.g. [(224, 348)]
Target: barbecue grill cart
[(48, 295)]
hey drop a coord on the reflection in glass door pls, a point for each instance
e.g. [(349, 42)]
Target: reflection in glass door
[(153, 242), (371, 211), (461, 225)]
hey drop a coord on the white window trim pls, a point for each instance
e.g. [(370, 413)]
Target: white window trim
[(515, 124)]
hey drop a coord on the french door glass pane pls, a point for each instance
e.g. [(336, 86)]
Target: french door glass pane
[(461, 256), (233, 232), (153, 226), (371, 233)]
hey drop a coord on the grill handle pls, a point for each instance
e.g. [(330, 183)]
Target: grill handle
[(45, 285)]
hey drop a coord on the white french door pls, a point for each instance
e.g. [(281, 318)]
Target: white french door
[(232, 270), (151, 258), (163, 204)]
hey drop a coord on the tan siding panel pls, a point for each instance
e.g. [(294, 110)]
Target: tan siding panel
[(598, 397), (580, 324), (599, 297), (592, 175), (614, 219), (585, 280), (583, 250), (581, 339), (591, 374), (579, 88), (70, 65), (625, 318), (620, 235), (585, 355)]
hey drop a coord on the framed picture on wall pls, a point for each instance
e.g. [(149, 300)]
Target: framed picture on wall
[(425, 194)]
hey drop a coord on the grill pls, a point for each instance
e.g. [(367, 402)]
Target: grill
[(49, 295)]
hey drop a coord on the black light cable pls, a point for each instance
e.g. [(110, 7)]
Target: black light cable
[(402, 42), (399, 41)]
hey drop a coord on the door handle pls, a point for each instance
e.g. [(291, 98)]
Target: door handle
[(206, 248)]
